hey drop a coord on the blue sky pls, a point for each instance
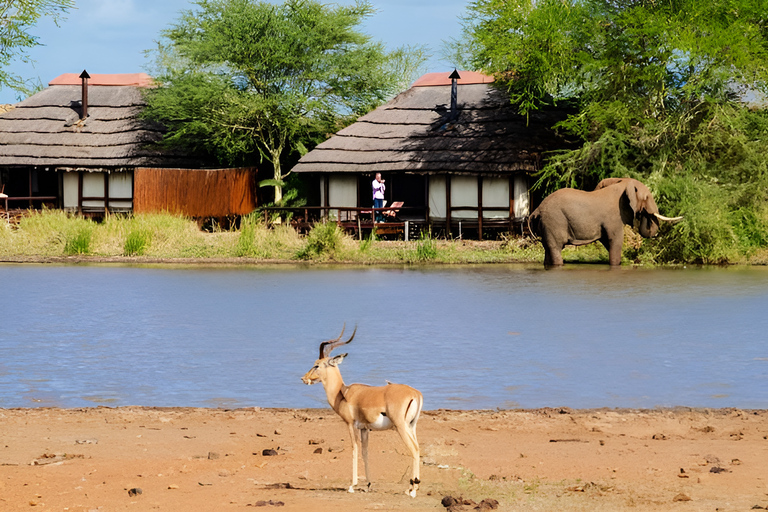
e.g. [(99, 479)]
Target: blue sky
[(109, 36)]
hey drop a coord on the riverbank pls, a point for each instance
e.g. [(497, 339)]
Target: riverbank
[(178, 459), (55, 237)]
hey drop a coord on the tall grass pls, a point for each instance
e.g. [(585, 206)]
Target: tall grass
[(137, 242), (159, 236), (256, 240), (426, 248), (79, 238)]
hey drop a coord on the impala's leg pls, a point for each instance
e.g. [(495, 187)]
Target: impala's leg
[(408, 435), (364, 438), (353, 436)]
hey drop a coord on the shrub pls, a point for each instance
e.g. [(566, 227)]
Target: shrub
[(323, 241), (426, 247), (79, 239), (137, 242)]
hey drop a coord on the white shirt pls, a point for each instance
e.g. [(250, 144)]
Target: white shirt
[(378, 189)]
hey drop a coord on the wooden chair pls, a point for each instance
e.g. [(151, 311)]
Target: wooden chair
[(391, 214)]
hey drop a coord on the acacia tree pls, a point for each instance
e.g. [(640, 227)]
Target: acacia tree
[(245, 79), (16, 18), (658, 90)]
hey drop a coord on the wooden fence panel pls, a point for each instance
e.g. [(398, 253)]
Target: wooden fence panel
[(195, 192)]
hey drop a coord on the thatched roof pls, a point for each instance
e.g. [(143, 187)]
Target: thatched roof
[(415, 133), (46, 130)]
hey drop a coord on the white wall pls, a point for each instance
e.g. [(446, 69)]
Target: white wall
[(342, 191), (93, 186), (437, 197), (496, 194), (463, 193), (120, 187), (522, 196), (70, 189)]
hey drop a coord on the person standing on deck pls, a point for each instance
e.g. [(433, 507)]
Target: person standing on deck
[(378, 196)]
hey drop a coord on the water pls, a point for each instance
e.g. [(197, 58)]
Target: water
[(467, 337)]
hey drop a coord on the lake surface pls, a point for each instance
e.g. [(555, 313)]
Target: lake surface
[(468, 337)]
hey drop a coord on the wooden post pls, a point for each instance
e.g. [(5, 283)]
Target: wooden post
[(511, 204), (327, 189), (106, 192), (447, 205), (479, 207), (359, 228), (80, 192)]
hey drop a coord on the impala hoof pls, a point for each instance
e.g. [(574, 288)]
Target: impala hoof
[(351, 489), (412, 493)]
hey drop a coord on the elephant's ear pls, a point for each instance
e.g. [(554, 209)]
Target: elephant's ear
[(631, 192)]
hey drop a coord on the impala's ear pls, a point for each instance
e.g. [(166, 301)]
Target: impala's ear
[(337, 360)]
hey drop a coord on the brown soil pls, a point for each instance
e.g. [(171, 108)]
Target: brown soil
[(209, 459)]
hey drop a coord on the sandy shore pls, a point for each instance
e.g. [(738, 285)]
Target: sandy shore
[(134, 458)]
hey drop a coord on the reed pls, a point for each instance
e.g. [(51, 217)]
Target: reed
[(137, 242), (426, 248), (78, 239), (256, 240)]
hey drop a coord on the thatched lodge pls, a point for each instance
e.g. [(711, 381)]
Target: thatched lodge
[(80, 144), (452, 150)]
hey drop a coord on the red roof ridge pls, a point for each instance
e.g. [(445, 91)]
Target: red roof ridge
[(467, 77), (134, 79)]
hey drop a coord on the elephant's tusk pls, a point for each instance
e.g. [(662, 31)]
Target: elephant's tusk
[(668, 219)]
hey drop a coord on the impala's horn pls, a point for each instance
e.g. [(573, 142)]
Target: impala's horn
[(668, 219), (327, 346)]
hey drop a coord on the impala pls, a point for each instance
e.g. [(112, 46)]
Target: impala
[(365, 408)]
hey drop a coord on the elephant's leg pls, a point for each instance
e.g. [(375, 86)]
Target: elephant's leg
[(553, 254), (613, 246)]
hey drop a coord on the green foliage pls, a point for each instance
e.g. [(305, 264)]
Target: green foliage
[(426, 247), (368, 241), (137, 242), (322, 242), (17, 17), (79, 239), (247, 81), (657, 89), (256, 240)]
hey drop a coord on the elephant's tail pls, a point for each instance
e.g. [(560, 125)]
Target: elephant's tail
[(534, 224)]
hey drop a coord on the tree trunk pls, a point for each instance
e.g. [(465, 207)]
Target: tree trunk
[(278, 176)]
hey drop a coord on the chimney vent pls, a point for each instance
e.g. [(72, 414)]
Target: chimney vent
[(454, 93), (84, 76)]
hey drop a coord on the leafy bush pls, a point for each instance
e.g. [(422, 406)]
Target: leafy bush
[(256, 240), (323, 241), (137, 242), (79, 239), (426, 247)]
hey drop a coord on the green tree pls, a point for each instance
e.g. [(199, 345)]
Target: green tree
[(658, 90), (246, 80), (16, 18)]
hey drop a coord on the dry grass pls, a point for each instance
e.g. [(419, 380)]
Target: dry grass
[(54, 233)]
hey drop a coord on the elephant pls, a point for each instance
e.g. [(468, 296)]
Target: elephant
[(579, 217)]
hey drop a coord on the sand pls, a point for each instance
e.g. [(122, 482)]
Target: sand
[(178, 459)]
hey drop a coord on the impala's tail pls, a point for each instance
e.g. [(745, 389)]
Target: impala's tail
[(413, 410)]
